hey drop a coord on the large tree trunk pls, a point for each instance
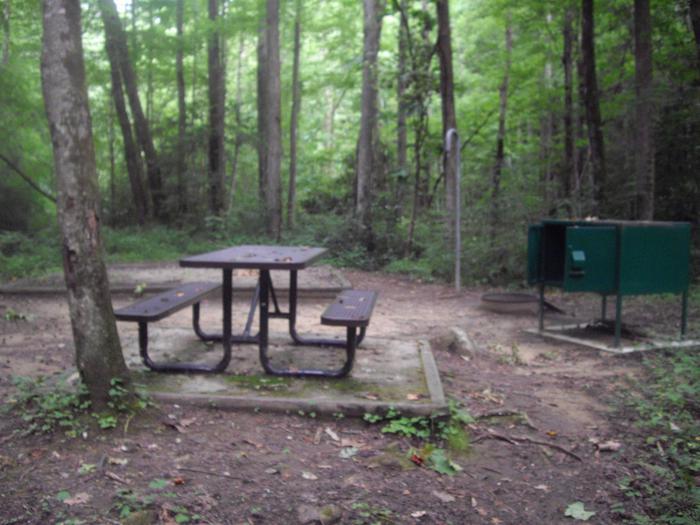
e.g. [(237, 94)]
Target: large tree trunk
[(644, 145), (501, 138), (368, 141), (592, 103), (294, 119), (568, 174), (115, 33), (449, 116), (180, 165), (132, 157), (272, 140), (98, 351), (217, 157)]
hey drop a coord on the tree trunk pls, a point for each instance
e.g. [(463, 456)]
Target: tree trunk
[(262, 107), (401, 130), (112, 168), (644, 146), (5, 32), (115, 33), (98, 351), (239, 125), (592, 103), (272, 122), (368, 141), (132, 157), (180, 164), (449, 117), (568, 174), (294, 120), (216, 114), (695, 20), (500, 139)]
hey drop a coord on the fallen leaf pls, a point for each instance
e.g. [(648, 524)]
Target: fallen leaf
[(78, 499), (372, 397), (443, 496), (117, 461), (178, 480), (578, 512), (115, 477), (418, 460), (609, 446), (542, 487), (552, 433), (309, 475), (413, 397), (473, 502), (347, 453), (418, 514), (271, 471)]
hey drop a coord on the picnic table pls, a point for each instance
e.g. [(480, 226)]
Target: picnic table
[(352, 309)]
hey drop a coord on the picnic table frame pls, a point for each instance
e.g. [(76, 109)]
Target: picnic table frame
[(264, 259)]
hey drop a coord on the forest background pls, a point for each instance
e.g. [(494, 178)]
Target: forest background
[(247, 121)]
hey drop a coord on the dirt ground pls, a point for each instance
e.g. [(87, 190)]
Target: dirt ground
[(544, 412)]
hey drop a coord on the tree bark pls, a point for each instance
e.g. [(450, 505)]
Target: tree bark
[(115, 33), (132, 157), (501, 137), (294, 119), (239, 125), (272, 149), (568, 174), (368, 141), (217, 157), (262, 107), (644, 109), (695, 21), (98, 351), (5, 32), (592, 103), (401, 130), (180, 163), (449, 117)]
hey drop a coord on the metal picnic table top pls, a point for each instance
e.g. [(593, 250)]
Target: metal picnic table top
[(256, 257)]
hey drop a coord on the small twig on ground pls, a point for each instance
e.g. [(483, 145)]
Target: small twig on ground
[(513, 440), (209, 473)]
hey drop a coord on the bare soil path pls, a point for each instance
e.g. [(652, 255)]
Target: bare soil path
[(540, 409)]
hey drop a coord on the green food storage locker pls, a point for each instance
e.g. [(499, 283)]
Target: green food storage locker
[(610, 257)]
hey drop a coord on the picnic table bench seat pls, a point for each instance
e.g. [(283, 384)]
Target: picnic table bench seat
[(164, 304)]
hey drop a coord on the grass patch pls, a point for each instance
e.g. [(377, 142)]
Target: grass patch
[(662, 487)]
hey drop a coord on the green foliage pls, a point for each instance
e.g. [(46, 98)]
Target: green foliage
[(366, 514), (662, 487), (46, 407)]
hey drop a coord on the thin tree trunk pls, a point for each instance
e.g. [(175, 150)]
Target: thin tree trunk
[(149, 69), (273, 126), (592, 103), (26, 178), (239, 125), (263, 107), (449, 117), (98, 351), (500, 139), (294, 120), (216, 115), (180, 163), (695, 21), (5, 32), (132, 157), (115, 33), (401, 131), (644, 146), (368, 141), (112, 168), (568, 174)]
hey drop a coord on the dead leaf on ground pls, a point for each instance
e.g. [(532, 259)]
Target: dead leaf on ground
[(117, 461), (332, 434), (418, 514), (372, 397), (79, 499), (609, 446), (444, 496), (116, 477), (309, 475), (552, 433), (413, 397)]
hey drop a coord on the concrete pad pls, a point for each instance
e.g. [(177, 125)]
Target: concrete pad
[(315, 281), (388, 373)]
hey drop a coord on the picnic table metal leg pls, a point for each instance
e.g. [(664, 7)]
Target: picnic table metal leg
[(190, 367), (263, 337), (311, 341)]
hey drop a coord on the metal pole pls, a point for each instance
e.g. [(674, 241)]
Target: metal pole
[(452, 135)]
